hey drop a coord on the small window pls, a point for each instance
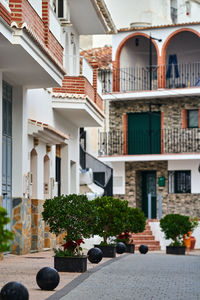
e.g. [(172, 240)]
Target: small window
[(179, 182), (193, 118)]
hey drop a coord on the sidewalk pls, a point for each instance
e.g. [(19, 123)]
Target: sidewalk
[(24, 269)]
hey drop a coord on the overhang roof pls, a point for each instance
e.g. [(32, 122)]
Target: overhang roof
[(46, 133), (91, 17)]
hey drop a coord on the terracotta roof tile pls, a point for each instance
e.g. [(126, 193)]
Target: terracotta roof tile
[(156, 26), (102, 56)]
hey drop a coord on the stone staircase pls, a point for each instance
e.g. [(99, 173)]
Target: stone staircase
[(146, 238)]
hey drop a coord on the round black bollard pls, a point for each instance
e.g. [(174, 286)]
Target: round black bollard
[(120, 248), (14, 291), (95, 255), (47, 279), (143, 249)]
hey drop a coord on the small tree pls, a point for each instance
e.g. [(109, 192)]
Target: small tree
[(73, 214), (111, 216), (175, 226), (5, 235), (134, 223)]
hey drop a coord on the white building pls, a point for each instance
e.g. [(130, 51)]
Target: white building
[(39, 157)]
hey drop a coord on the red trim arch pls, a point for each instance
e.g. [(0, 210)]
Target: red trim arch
[(116, 63), (164, 51)]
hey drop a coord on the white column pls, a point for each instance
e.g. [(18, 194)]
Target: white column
[(65, 170), (20, 162)]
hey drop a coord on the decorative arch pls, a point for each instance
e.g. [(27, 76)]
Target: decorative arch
[(164, 50), (166, 43), (116, 63), (34, 170)]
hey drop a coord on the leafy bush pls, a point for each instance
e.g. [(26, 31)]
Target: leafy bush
[(73, 214), (111, 216), (5, 235), (175, 226), (135, 222)]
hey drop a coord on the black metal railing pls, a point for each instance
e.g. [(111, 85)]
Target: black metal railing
[(149, 142), (130, 79), (98, 167)]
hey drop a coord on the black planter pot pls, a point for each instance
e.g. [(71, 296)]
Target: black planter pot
[(178, 250), (108, 251), (130, 248), (70, 264)]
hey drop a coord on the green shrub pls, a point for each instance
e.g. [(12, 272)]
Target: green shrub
[(135, 222), (5, 235), (73, 214), (111, 216), (175, 226)]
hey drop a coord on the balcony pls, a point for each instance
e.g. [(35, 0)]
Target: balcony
[(137, 142), (171, 76)]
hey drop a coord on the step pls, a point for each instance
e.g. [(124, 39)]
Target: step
[(141, 237), (152, 242), (145, 232)]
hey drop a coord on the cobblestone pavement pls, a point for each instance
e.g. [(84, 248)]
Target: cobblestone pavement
[(143, 277)]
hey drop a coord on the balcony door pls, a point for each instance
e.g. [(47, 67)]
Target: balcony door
[(144, 133), (149, 187)]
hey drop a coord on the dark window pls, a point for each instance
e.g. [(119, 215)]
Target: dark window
[(179, 182), (193, 118), (60, 9)]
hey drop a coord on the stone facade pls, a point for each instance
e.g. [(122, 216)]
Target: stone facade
[(187, 204), (174, 137), (30, 231)]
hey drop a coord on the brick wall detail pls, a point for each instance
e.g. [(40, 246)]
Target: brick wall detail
[(5, 14), (23, 12), (81, 86)]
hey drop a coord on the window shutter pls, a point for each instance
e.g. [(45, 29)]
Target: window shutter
[(125, 132), (184, 118)]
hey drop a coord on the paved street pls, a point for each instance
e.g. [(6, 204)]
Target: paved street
[(150, 276)]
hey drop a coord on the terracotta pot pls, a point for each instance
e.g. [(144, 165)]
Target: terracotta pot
[(193, 241)]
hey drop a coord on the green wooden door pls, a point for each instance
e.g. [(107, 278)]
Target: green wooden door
[(149, 186), (144, 133)]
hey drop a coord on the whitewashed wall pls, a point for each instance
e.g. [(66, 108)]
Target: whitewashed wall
[(118, 177), (39, 109), (192, 165), (37, 5), (87, 70), (54, 25), (71, 60)]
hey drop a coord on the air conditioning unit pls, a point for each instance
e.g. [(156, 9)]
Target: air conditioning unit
[(62, 11)]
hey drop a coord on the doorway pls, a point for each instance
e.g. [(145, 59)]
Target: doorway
[(149, 187)]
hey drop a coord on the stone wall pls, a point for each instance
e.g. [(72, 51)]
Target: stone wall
[(37, 225), (171, 107), (21, 226), (187, 204)]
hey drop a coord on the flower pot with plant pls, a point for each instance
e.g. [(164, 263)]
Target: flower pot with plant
[(73, 214), (175, 226), (134, 223), (111, 216), (5, 235)]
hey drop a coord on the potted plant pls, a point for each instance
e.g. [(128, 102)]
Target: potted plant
[(111, 216), (73, 214), (5, 235), (194, 225), (175, 226), (134, 223)]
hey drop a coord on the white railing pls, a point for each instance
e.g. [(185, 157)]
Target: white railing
[(87, 71), (37, 5), (54, 25)]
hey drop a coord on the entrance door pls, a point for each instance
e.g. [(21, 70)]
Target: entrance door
[(149, 186), (144, 133), (7, 151)]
